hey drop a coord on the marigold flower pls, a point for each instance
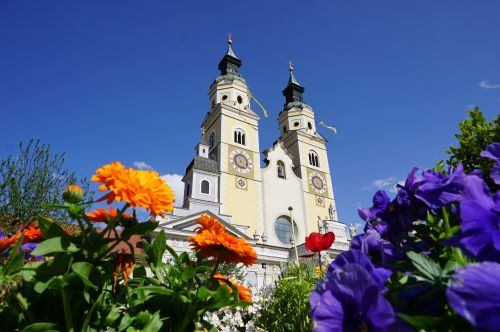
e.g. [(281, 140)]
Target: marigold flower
[(244, 293), (73, 194), (212, 241), (136, 187), (125, 264), (30, 234), (102, 215)]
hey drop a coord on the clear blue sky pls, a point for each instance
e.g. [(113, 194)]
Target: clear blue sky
[(128, 80)]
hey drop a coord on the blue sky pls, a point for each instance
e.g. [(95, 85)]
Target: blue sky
[(128, 80)]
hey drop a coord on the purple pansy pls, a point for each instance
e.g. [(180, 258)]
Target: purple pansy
[(480, 221), (380, 202), (379, 275), (381, 252), (350, 300), (493, 152), (475, 294), (437, 190)]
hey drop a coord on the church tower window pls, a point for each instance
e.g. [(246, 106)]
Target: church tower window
[(188, 189), (205, 187), (281, 169), (239, 137), (211, 141), (313, 159)]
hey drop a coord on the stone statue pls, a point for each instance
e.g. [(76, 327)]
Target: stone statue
[(353, 229), (325, 225), (331, 212)]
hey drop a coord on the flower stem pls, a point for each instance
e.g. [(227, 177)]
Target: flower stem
[(67, 311)]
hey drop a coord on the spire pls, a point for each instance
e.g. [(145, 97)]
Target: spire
[(230, 62), (293, 91)]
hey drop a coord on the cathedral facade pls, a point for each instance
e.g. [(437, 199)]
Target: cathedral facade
[(274, 202)]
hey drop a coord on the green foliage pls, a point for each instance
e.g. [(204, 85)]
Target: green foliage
[(81, 284), (30, 181), (287, 308), (475, 134)]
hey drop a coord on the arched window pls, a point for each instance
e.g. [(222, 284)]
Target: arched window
[(211, 140), (188, 189), (281, 169), (283, 229), (239, 137), (205, 187), (313, 159)]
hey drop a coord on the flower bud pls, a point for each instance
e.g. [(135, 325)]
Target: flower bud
[(73, 194)]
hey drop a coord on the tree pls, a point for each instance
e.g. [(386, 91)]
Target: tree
[(475, 134), (29, 181)]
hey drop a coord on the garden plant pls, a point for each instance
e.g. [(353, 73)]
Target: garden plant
[(93, 279)]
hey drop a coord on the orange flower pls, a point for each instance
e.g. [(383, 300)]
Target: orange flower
[(136, 187), (212, 241), (30, 234), (244, 293), (124, 263), (101, 215)]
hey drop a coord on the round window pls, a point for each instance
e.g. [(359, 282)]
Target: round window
[(224, 97), (239, 99), (309, 125), (296, 124), (283, 229)]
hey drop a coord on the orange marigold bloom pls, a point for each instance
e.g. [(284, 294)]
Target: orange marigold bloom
[(30, 234), (244, 293), (212, 241), (102, 215), (136, 187), (125, 264)]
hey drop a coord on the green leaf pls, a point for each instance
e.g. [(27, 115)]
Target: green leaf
[(56, 282), (142, 228), (154, 323), (16, 258), (425, 265), (158, 248), (51, 229), (187, 274), (83, 269), (42, 327), (421, 322), (52, 245), (154, 289)]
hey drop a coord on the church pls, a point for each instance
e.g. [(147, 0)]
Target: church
[(273, 202)]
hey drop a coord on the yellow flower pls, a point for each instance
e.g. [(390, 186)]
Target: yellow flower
[(212, 241), (73, 194), (136, 187)]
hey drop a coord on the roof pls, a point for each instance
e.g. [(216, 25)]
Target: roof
[(203, 164)]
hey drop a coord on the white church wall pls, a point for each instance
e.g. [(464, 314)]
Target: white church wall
[(279, 194)]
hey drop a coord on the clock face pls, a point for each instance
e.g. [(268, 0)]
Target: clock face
[(240, 161), (317, 183)]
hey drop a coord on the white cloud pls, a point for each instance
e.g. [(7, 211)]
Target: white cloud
[(394, 188), (175, 182), (486, 85), (381, 183), (142, 165)]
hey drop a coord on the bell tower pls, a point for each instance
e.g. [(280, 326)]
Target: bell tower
[(308, 150), (232, 129)]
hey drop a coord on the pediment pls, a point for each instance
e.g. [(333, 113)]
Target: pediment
[(188, 223)]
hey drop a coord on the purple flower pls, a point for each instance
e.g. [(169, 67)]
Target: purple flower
[(475, 295), (437, 190), (381, 252), (480, 221), (380, 203), (493, 152), (379, 275), (350, 300)]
